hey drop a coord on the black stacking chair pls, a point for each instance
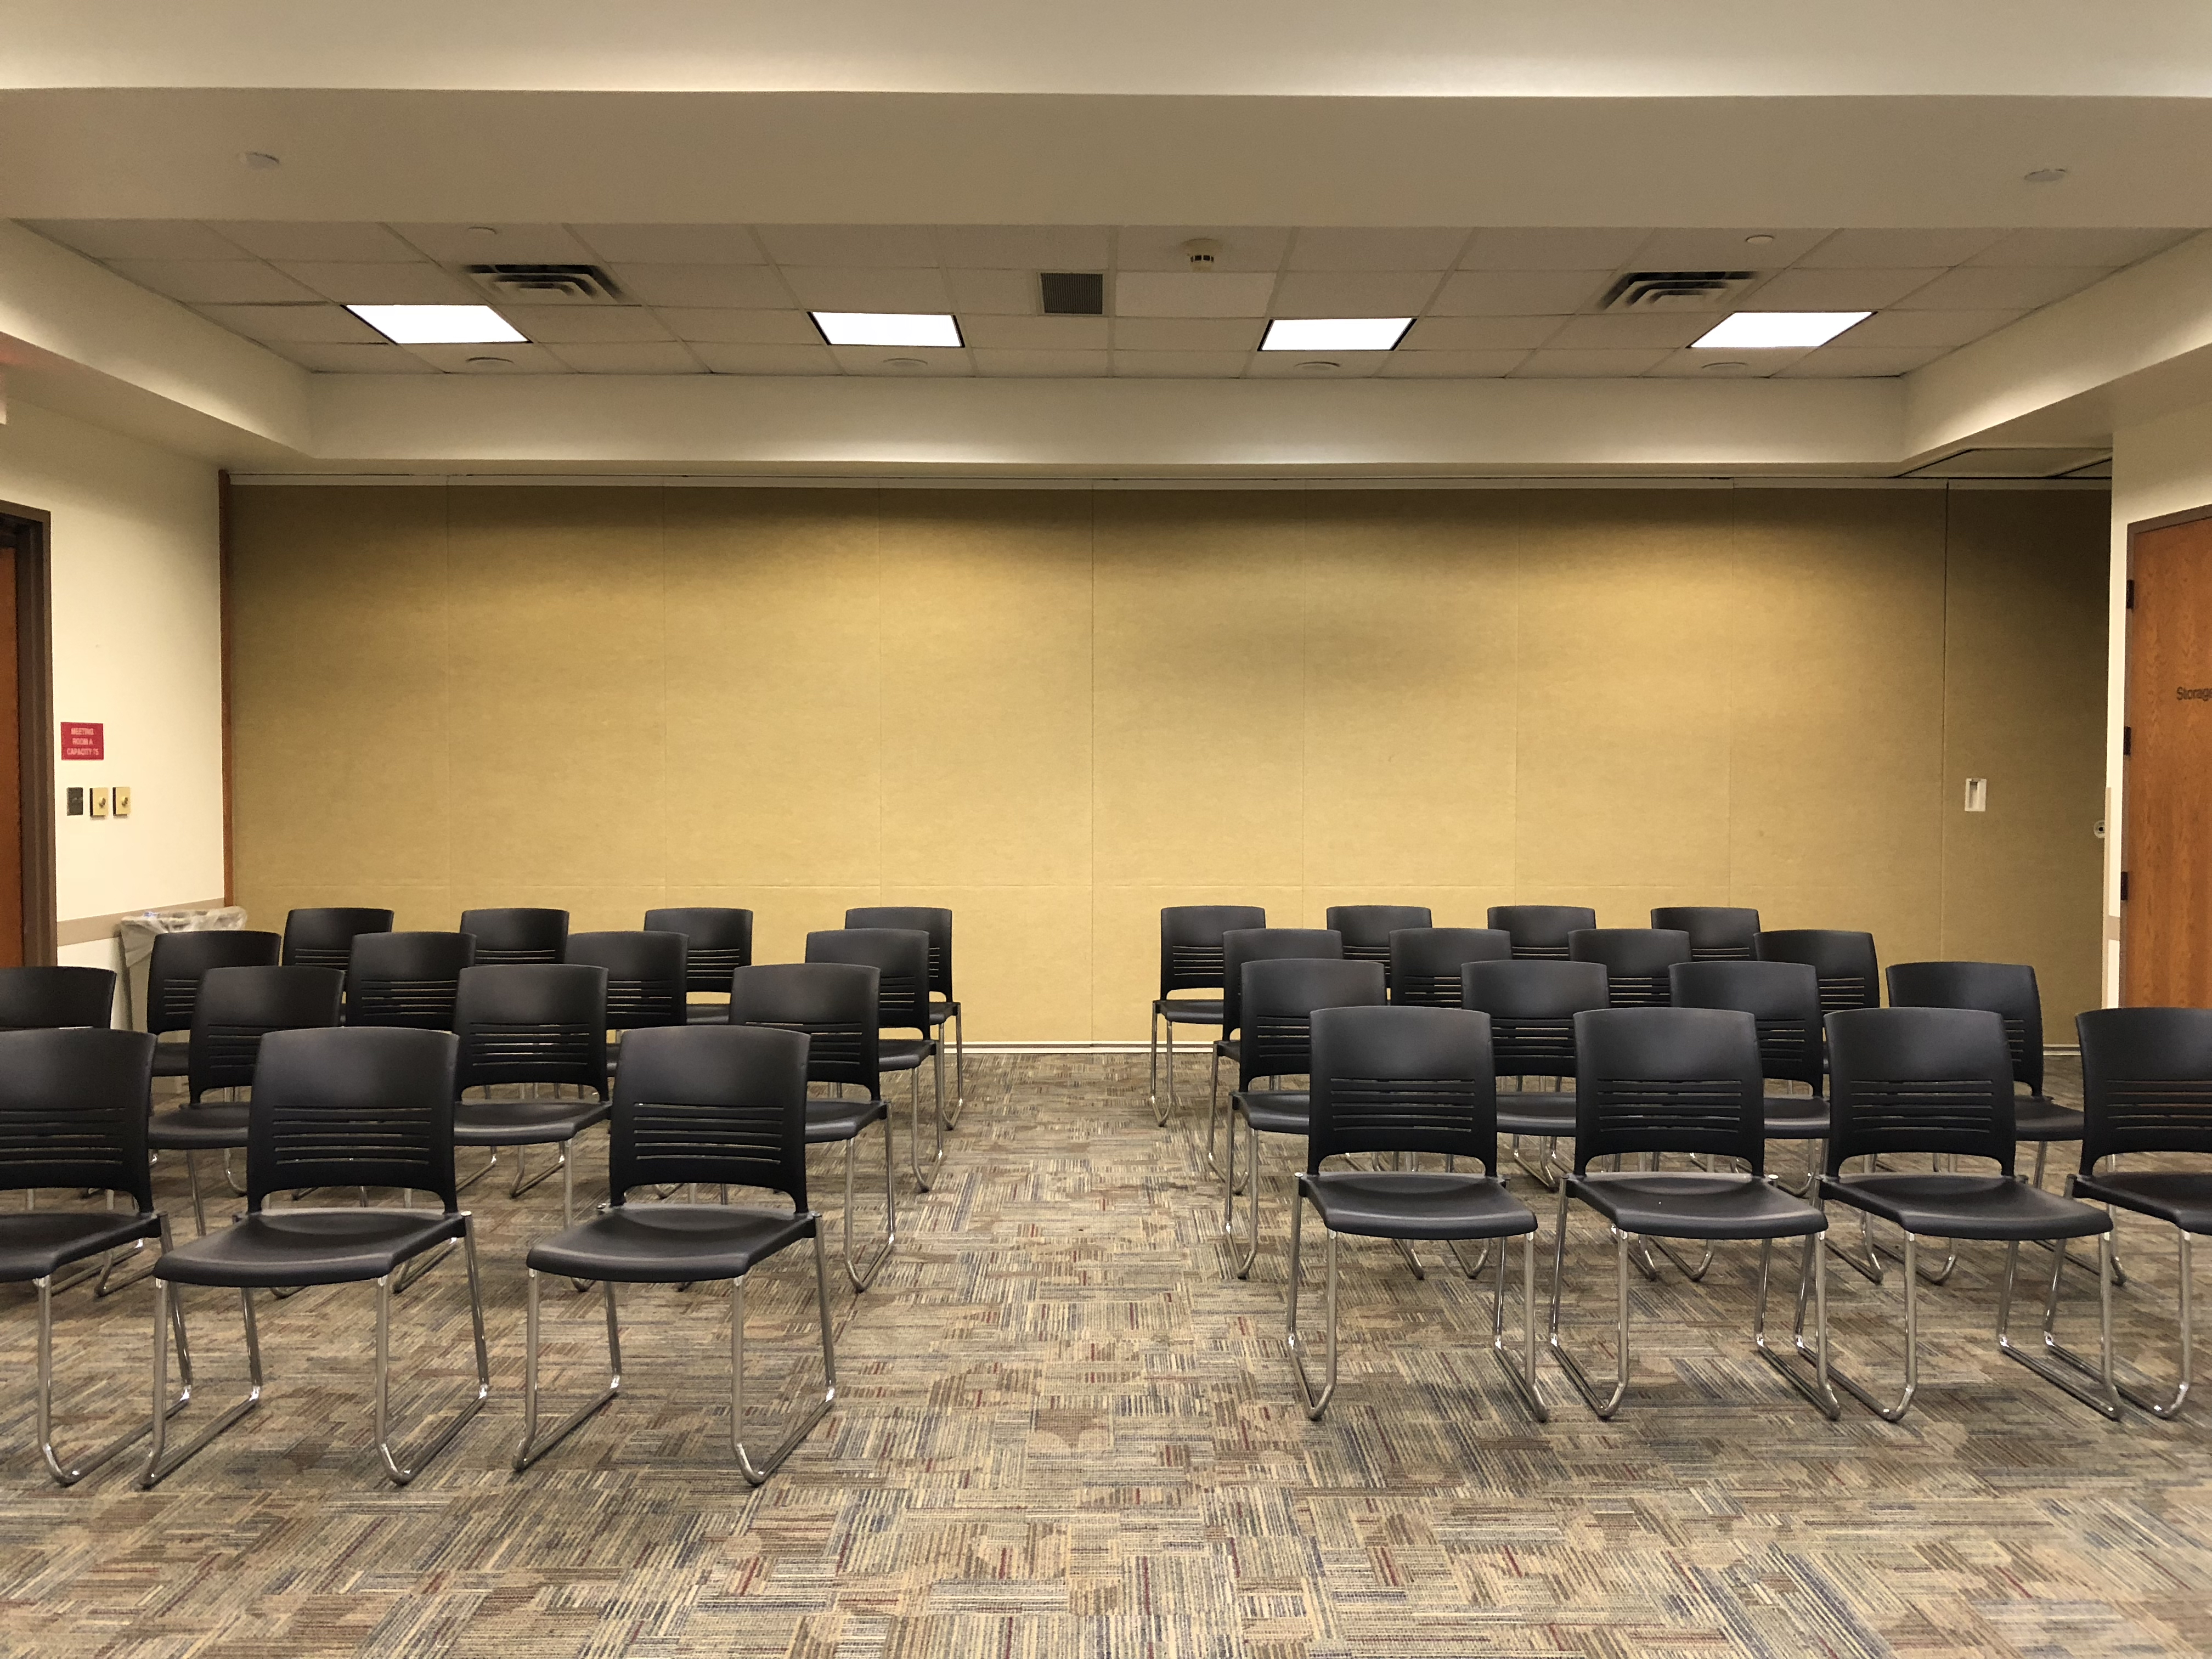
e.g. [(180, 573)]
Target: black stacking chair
[(1424, 961), (1191, 959), (334, 1109), (2147, 1085), (506, 936), (1850, 977), (833, 1004), (73, 1115), (1532, 1007), (1403, 1081), (1939, 1080), (647, 980), (1783, 997), (1637, 961), (408, 980), (944, 1005), (52, 999), (1718, 932), (236, 1009), (323, 938), (1241, 945), (1655, 1080), (172, 981), (2009, 991), (724, 1105), (717, 942), (538, 1024), (1538, 931), (1279, 997), (1367, 928), (900, 956)]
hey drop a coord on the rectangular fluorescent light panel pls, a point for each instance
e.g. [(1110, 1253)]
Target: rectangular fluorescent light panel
[(439, 325), (888, 328), (1773, 330), (1335, 333)]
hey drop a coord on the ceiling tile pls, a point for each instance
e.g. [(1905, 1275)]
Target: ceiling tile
[(490, 359), (629, 358), (417, 284), (827, 287), (1551, 250), (766, 358), (1989, 288), (1181, 365), (214, 281), (1159, 247), (1838, 362), (2076, 247), (672, 245), (1187, 333), (1897, 250), (753, 287), (1852, 290), (325, 324), (724, 326), (1653, 328), (1353, 293), (1450, 365), (849, 245), (1315, 365), (136, 239), (1191, 294), (1945, 329), (994, 293), (1577, 365), (1517, 293), (1057, 365), (490, 243), (917, 362), (1479, 333), (1725, 365), (327, 359), (585, 325), (1722, 250), (1356, 249), (1035, 333), (356, 244), (1026, 247)]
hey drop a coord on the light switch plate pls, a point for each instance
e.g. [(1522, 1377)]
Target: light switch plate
[(77, 802), (122, 800), (1977, 794), (100, 802)]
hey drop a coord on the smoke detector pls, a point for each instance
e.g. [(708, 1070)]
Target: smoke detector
[(1202, 252)]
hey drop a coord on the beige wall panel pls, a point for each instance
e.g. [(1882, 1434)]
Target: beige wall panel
[(1125, 946), (1624, 704), (1199, 731), (987, 672), (784, 916), (775, 698), (414, 906), (1411, 614), (1021, 958)]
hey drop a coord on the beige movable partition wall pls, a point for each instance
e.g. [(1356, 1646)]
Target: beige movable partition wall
[(1057, 710)]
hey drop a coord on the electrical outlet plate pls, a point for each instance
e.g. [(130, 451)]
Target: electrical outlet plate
[(100, 802), (122, 800)]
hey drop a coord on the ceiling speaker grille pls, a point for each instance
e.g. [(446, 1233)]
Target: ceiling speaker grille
[(1674, 290), (586, 285)]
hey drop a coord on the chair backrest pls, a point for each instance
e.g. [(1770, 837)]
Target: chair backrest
[(1424, 961), (2146, 1081), (2006, 989), (936, 923), (73, 1106), (240, 1007), (49, 998), (1637, 961), (722, 1105), (516, 934), (1191, 947), (323, 938), (1367, 928), (1850, 977), (1668, 1080), (834, 1003), (1718, 932), (1538, 931), (533, 1022), (1241, 945), (365, 1106), (900, 956), (407, 980), (1402, 1079), (717, 942), (1532, 1007), (1280, 996), (645, 981), (1918, 1080), (173, 970), (1783, 997)]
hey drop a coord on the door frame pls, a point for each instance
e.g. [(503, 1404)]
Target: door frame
[(34, 712)]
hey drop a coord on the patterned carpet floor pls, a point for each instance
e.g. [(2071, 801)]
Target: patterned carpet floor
[(1064, 1431)]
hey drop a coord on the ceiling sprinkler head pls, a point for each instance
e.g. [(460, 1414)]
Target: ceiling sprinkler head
[(1202, 252)]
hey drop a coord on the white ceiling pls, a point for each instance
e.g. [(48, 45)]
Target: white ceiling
[(732, 299)]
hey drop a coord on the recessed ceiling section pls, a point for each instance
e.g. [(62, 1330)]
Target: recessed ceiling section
[(2019, 463)]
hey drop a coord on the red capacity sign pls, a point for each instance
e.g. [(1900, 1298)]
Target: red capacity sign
[(84, 740)]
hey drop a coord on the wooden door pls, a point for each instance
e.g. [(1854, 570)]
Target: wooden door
[(2166, 938)]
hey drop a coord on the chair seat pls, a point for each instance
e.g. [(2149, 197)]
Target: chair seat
[(1939, 1206), (198, 1129), (707, 1013), (1532, 1112), (670, 1244), (2182, 1198), (1796, 1117), (1689, 1204), (36, 1243), (308, 1247), (524, 1122), (941, 1011), (905, 1055), (1274, 1112), (1416, 1204), (840, 1120), (1230, 1050), (173, 1059), (2035, 1118), (1189, 1011)]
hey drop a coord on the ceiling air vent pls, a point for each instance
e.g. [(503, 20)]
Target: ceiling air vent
[(1674, 290), (584, 285)]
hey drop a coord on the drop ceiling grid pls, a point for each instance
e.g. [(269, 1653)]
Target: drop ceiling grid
[(732, 299)]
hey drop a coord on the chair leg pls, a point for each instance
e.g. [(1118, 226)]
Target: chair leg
[(959, 1023), (159, 1467), (1813, 1270), (199, 1207), (532, 1448), (2138, 1391), (2066, 1368), (1316, 1403), (757, 1473), (1522, 1376), (397, 1473), (1584, 1385), (1152, 1093), (2119, 1272), (467, 1181), (1212, 1108), (914, 1131), (67, 1473), (1892, 1413), (1240, 1259), (522, 1185), (862, 1276)]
